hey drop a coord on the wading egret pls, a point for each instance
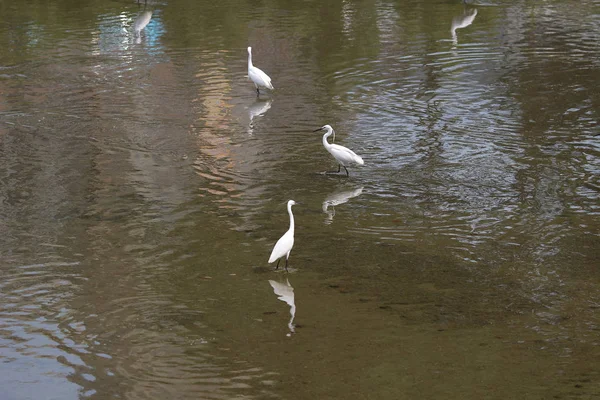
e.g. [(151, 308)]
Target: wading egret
[(343, 155), (257, 76), (284, 245)]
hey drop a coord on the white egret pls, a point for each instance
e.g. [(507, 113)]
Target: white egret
[(284, 245), (257, 76), (343, 155)]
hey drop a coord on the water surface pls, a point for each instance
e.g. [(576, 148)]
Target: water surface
[(143, 185)]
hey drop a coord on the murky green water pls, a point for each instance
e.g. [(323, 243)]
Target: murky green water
[(142, 187)]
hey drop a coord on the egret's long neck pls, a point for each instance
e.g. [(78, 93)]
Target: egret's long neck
[(291, 218), (325, 142), (249, 60)]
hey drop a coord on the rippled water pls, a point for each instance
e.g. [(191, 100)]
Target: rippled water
[(143, 185)]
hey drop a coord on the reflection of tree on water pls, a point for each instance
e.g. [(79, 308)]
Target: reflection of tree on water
[(285, 292)]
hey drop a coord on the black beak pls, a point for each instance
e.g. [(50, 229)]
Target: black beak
[(317, 130)]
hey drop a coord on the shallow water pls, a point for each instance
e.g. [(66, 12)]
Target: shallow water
[(143, 185)]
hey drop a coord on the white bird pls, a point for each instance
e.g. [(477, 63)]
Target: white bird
[(284, 245), (257, 76), (343, 155)]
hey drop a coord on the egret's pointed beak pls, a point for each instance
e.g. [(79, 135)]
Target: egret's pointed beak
[(317, 130)]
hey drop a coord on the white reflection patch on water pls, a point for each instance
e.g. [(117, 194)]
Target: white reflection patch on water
[(336, 198), (285, 293), (347, 16), (257, 109), (31, 339), (461, 22), (141, 21)]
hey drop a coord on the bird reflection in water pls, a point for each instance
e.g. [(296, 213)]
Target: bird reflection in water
[(140, 23), (337, 198), (285, 292), (462, 21), (257, 109)]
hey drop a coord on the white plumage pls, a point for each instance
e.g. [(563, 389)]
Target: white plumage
[(257, 76), (343, 155), (284, 245)]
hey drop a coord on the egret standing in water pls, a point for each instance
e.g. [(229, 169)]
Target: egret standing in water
[(284, 245), (343, 155), (257, 76)]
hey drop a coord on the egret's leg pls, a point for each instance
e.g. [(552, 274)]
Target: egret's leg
[(277, 267), (347, 174), (257, 92), (286, 261)]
